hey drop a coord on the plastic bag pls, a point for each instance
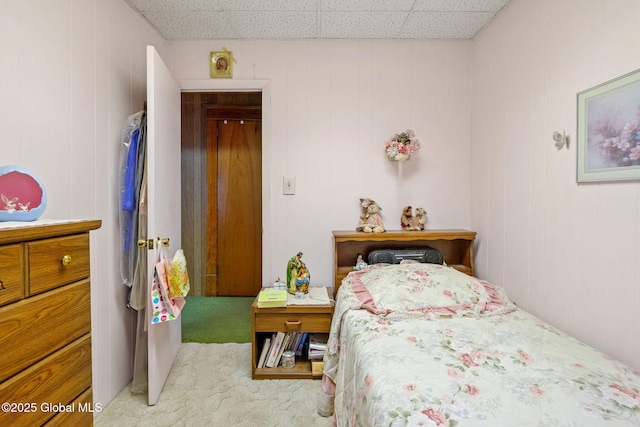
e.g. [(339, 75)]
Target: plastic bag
[(178, 276)]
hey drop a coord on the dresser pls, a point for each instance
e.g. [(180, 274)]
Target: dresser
[(456, 247), (45, 323)]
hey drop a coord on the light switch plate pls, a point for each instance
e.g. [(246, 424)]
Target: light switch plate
[(289, 185)]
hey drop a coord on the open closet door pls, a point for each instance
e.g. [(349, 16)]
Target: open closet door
[(163, 198)]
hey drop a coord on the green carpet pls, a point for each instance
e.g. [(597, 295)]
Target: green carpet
[(217, 319)]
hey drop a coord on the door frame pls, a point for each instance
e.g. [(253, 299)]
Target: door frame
[(264, 86)]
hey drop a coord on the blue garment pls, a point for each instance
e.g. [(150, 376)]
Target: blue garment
[(129, 195)]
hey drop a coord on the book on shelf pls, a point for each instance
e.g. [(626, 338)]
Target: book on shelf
[(318, 341), (275, 350), (299, 350), (317, 346), (283, 348), (265, 351), (315, 355)]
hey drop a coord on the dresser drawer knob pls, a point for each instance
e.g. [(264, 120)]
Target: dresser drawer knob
[(66, 260)]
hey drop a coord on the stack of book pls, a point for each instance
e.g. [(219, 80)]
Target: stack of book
[(317, 346), (280, 342), (317, 349)]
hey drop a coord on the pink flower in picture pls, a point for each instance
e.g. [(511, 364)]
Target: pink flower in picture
[(412, 339), (613, 137)]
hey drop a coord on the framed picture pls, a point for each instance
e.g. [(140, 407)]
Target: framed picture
[(221, 64), (608, 139)]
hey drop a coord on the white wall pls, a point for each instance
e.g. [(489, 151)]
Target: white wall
[(71, 71), (568, 253), (333, 105)]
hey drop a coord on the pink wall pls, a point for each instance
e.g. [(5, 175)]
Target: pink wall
[(71, 71), (332, 105), (568, 253)]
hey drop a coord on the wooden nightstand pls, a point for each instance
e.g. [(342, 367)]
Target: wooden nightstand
[(293, 318)]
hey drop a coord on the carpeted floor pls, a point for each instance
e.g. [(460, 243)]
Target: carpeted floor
[(211, 385), (217, 319)]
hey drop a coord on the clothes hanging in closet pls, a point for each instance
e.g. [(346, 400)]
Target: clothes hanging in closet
[(132, 165)]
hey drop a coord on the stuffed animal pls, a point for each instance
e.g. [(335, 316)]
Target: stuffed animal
[(406, 217), (411, 222), (370, 219), (420, 219)]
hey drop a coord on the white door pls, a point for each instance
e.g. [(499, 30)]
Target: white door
[(163, 198)]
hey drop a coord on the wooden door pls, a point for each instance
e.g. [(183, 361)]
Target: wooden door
[(163, 211), (234, 219)]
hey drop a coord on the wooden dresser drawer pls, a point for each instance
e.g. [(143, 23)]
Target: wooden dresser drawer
[(58, 379), (82, 414), (283, 322), (36, 327), (11, 273), (58, 261)]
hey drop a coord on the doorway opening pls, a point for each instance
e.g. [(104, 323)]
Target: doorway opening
[(221, 147)]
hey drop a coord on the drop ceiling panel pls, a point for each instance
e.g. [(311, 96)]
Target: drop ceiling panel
[(440, 25), (321, 19), (362, 25), (459, 5), (366, 5), (274, 25)]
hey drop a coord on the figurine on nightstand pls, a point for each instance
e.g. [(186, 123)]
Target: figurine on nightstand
[(298, 276), (360, 263)]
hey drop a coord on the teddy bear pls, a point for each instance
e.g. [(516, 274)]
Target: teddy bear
[(370, 218), (411, 222)]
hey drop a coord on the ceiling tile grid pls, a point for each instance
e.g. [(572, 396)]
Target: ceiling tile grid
[(322, 19)]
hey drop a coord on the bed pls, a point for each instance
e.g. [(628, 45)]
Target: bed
[(423, 344)]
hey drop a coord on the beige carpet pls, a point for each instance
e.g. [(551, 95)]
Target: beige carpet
[(211, 385)]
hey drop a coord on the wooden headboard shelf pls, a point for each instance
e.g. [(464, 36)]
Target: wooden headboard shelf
[(456, 247)]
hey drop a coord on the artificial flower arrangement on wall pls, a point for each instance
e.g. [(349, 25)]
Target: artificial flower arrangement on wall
[(402, 146)]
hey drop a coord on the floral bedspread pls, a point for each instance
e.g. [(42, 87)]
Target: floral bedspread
[(460, 353)]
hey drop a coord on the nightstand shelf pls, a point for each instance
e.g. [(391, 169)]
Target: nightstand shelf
[(293, 318)]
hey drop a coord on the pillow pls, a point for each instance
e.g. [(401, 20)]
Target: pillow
[(431, 289)]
